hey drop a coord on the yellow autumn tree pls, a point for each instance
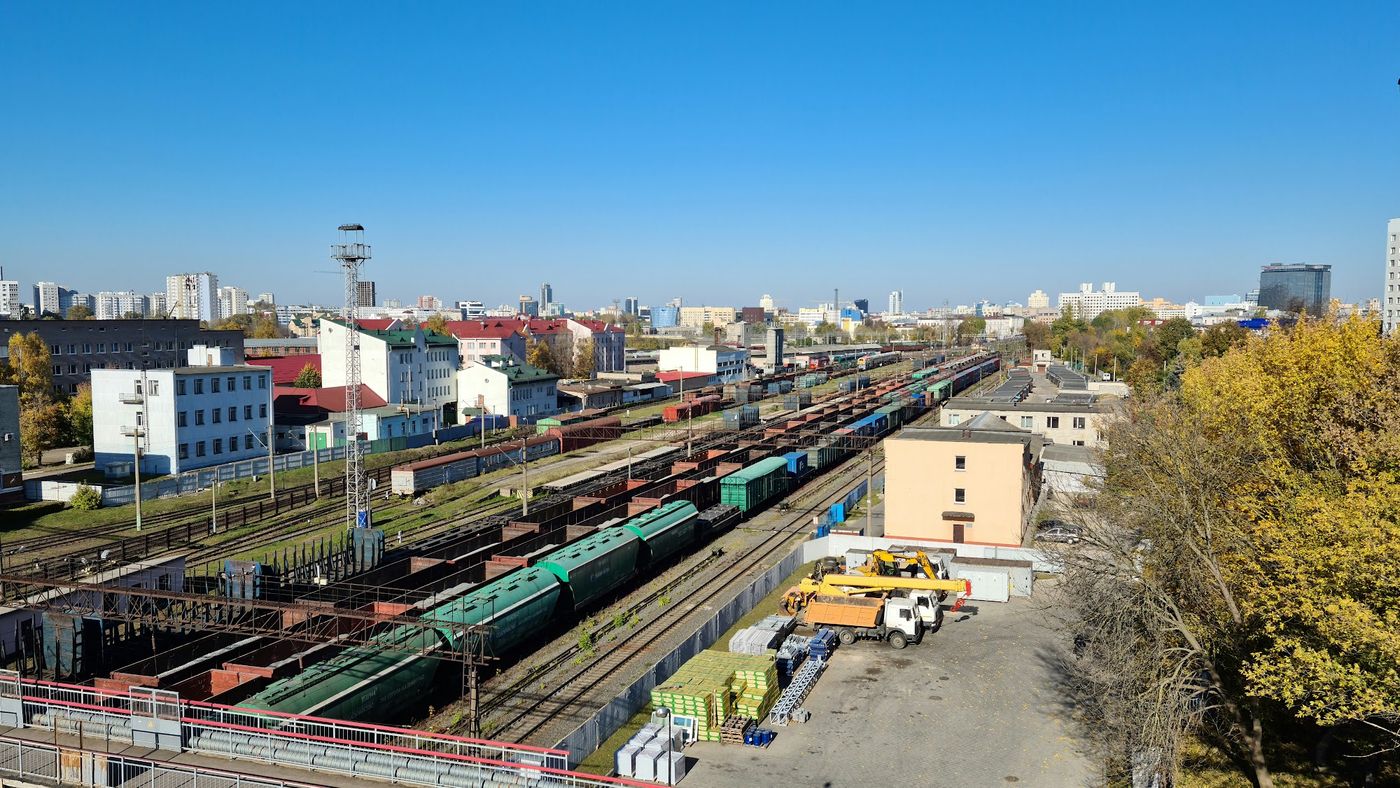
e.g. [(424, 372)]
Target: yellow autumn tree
[(1319, 410)]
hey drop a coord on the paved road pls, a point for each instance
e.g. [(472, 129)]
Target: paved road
[(973, 705)]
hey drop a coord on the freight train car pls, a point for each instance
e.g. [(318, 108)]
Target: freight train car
[(751, 488), (582, 434), (415, 477), (877, 360)]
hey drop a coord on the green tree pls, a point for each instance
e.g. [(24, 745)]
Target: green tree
[(79, 312), (970, 328), (1037, 335), (1221, 337), (1170, 333), (584, 362), (86, 498), (41, 426), (79, 412), (308, 378), (134, 316), (436, 323)]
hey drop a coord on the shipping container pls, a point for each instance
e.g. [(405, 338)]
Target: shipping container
[(750, 488)]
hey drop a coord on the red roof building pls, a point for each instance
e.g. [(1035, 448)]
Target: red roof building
[(477, 339), (316, 403), (285, 369)]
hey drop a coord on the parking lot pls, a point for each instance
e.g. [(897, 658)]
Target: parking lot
[(974, 704)]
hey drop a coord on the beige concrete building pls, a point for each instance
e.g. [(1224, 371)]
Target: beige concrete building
[(975, 484), (698, 316), (1069, 418)]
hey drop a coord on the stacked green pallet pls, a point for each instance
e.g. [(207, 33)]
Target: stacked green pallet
[(715, 685)]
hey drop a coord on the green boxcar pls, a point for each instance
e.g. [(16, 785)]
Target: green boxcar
[(373, 685), (749, 488), (822, 457), (665, 530), (939, 391), (596, 564), (894, 414)]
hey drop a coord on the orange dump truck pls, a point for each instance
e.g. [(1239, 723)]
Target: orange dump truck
[(891, 619)]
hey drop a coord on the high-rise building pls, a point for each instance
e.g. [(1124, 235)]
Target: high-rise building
[(766, 302), (896, 305), (863, 304), (367, 295), (1390, 300), (1089, 303), (429, 302), (157, 306), (630, 305), (193, 296), (546, 295), (50, 298), (668, 316), (1038, 300), (529, 306), (9, 297), (232, 301), (1297, 288), (116, 306), (472, 310), (392, 303)]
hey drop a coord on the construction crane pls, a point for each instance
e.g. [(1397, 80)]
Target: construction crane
[(926, 593), (351, 253)]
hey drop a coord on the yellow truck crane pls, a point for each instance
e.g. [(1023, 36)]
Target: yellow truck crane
[(922, 595)]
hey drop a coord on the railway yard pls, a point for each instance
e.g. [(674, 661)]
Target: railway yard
[(517, 603)]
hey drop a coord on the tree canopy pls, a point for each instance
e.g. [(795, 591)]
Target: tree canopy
[(308, 378)]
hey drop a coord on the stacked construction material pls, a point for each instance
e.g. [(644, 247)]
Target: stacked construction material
[(822, 644), (790, 655), (649, 756), (789, 704), (762, 637), (715, 685)]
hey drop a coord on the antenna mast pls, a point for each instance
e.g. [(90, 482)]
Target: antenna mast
[(351, 253)]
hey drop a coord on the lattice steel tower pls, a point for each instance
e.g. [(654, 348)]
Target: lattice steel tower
[(351, 253)]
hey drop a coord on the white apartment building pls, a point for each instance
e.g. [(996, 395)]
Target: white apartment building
[(115, 306), (1390, 301), (504, 386), (1038, 300), (896, 304), (232, 301), (1089, 303), (209, 412), (9, 297), (193, 296), (698, 316), (158, 306), (402, 365), (726, 363), (48, 299), (477, 339)]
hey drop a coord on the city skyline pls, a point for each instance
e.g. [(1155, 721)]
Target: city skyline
[(971, 149)]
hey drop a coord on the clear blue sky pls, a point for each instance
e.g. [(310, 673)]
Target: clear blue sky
[(714, 151)]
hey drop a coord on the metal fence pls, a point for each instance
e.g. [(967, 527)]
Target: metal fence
[(21, 759), (354, 749)]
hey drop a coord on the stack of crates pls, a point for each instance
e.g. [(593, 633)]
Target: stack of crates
[(716, 685), (822, 644)]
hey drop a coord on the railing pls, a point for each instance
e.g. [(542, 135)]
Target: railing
[(21, 759), (350, 748)]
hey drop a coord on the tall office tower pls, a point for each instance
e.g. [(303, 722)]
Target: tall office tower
[(1296, 288), (630, 305), (429, 302), (546, 295), (863, 304), (529, 306), (367, 294), (896, 302), (1390, 300), (193, 296)]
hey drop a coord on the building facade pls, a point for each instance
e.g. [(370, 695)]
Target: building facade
[(364, 293), (1089, 303), (193, 296), (975, 484), (609, 343), (77, 347), (1038, 300), (232, 301), (117, 305), (10, 305), (666, 317), (50, 299), (11, 459), (477, 339), (1059, 423), (192, 416), (698, 316), (1390, 298), (896, 303), (503, 386), (404, 366), (1301, 289), (725, 363)]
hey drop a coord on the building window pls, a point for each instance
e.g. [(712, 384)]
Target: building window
[(1052, 422), (213, 385), (248, 441), (218, 445), (198, 418), (262, 411), (199, 385), (199, 448), (101, 347), (959, 495), (247, 412), (180, 387), (218, 415), (262, 381), (1077, 443), (180, 420), (1027, 422), (953, 419), (1079, 422), (233, 384), (232, 413), (232, 444), (153, 388), (184, 451), (247, 382), (959, 463)]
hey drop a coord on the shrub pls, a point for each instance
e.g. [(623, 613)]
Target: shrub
[(86, 498)]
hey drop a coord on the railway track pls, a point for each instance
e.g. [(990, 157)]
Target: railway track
[(521, 709)]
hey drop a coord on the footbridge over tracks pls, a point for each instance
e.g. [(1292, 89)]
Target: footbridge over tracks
[(53, 733)]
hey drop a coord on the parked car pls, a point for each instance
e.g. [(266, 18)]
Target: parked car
[(1058, 532)]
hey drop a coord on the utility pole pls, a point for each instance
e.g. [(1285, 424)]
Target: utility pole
[(869, 490), (136, 433), (316, 467), (525, 471), (214, 502), (271, 469)]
